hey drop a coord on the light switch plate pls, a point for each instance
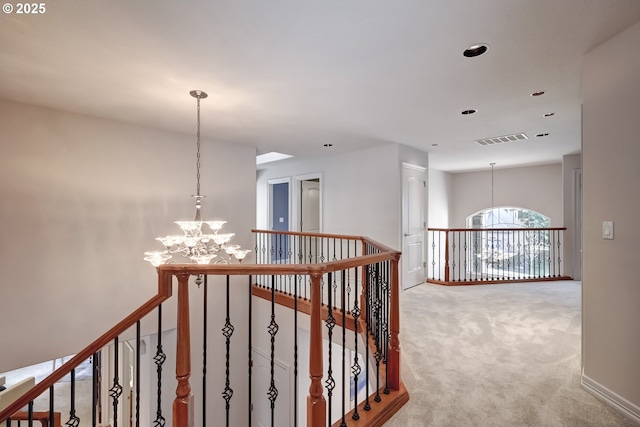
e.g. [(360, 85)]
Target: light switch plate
[(607, 230)]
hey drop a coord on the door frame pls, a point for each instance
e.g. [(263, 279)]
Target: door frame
[(577, 223)]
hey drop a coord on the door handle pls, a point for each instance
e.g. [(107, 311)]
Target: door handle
[(407, 234)]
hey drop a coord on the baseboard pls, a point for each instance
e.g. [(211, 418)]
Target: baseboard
[(612, 399)]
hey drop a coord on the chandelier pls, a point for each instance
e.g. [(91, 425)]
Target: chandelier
[(194, 243)]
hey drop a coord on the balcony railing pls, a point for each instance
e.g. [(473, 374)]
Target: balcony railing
[(463, 256), (341, 292)]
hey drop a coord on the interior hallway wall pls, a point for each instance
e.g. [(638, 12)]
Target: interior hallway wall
[(82, 199), (611, 177), (533, 187), (361, 190), (440, 198)]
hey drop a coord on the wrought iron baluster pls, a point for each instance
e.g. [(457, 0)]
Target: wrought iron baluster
[(378, 331), (439, 258), (52, 407), (559, 249), (205, 323), (330, 322), (250, 351), (457, 235), (433, 256), (116, 390), (74, 421), (509, 252), (29, 414), (355, 369), (539, 255), (348, 304), (95, 389), (273, 330), (519, 252), (367, 311), (159, 359), (344, 346), (227, 331), (466, 254), (385, 321), (295, 352), (138, 341)]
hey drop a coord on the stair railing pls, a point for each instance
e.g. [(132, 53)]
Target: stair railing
[(465, 256), (339, 285)]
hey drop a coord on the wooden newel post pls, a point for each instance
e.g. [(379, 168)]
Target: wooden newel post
[(182, 405), (393, 363), (316, 404)]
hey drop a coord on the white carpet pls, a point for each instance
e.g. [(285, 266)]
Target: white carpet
[(496, 355)]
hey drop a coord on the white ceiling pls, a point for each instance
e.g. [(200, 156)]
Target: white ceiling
[(292, 75)]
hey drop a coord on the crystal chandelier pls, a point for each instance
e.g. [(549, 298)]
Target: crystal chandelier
[(194, 244)]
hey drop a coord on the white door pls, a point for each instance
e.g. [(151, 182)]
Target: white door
[(283, 408), (310, 206), (414, 183), (309, 216)]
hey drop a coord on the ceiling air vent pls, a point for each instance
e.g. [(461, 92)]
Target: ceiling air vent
[(502, 139)]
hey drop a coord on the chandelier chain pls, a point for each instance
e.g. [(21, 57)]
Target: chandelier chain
[(198, 152)]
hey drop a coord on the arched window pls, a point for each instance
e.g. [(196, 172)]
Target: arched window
[(508, 217), (499, 247)]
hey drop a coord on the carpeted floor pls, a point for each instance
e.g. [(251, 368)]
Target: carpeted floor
[(496, 355)]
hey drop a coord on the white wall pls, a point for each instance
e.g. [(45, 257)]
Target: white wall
[(611, 151), (535, 187), (361, 190), (82, 199), (440, 198)]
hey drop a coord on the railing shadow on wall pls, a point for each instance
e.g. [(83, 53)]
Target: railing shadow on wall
[(466, 256), (339, 292)]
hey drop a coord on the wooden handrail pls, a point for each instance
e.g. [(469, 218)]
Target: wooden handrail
[(275, 269), (164, 293)]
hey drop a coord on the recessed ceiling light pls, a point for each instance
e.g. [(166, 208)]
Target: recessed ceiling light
[(549, 114), (538, 93), (467, 112), (434, 145), (475, 50), (542, 134), (328, 145)]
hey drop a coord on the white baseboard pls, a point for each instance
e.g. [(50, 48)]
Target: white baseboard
[(612, 399)]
